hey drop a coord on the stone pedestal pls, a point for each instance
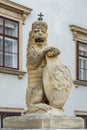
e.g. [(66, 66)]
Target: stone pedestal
[(41, 121)]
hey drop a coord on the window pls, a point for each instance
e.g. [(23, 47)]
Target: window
[(82, 61), (82, 114), (7, 111), (80, 40), (12, 17), (6, 114), (9, 40)]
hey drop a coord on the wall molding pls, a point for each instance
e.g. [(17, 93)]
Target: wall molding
[(81, 113), (14, 10), (18, 73), (78, 33), (11, 109)]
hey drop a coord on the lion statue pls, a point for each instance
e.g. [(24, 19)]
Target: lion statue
[(37, 95)]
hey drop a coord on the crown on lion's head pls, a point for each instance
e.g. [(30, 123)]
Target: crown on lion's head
[(40, 24)]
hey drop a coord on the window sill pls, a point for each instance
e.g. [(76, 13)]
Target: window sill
[(18, 73), (80, 83)]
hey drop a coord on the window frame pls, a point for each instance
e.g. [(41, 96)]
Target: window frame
[(10, 37), (83, 115), (77, 60), (78, 34), (9, 111), (15, 12)]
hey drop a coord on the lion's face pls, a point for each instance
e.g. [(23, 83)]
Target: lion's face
[(39, 36)]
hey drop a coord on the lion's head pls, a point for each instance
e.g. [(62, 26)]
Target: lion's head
[(38, 35)]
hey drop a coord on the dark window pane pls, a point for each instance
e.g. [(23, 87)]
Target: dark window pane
[(1, 25), (1, 50), (10, 60), (1, 43), (11, 53), (82, 68), (11, 45), (82, 49), (11, 28)]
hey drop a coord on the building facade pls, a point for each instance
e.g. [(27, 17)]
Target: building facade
[(67, 30)]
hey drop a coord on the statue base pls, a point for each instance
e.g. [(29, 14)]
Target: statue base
[(41, 121)]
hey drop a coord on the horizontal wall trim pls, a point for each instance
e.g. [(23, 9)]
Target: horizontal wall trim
[(80, 83), (18, 73), (11, 109), (81, 113)]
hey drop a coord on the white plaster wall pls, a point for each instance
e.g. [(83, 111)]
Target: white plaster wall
[(12, 91), (76, 100), (58, 14)]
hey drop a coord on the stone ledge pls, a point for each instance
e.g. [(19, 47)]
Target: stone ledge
[(18, 73), (80, 83), (34, 121)]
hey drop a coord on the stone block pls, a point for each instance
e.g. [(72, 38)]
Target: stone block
[(41, 121)]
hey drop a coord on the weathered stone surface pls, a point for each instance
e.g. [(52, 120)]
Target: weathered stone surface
[(34, 121), (49, 81), (37, 129)]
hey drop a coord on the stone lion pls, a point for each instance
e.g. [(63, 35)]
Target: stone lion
[(39, 99)]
